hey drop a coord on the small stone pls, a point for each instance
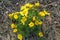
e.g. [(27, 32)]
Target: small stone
[(6, 12), (17, 3), (55, 5)]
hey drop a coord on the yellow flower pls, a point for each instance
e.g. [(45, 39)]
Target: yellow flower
[(29, 5), (31, 24), (14, 30), (16, 13), (40, 22), (34, 18), (19, 36), (15, 16), (36, 22), (40, 34), (23, 20), (46, 13), (23, 7), (13, 25), (10, 15), (37, 4), (42, 14), (24, 12)]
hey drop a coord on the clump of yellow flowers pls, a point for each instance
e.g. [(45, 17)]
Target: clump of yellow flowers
[(28, 20)]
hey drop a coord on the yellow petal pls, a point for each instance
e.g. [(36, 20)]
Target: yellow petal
[(40, 34), (23, 20), (37, 4), (15, 16), (10, 15), (42, 14), (19, 36), (23, 7), (40, 22), (46, 13), (13, 25), (14, 30), (36, 22), (34, 18), (31, 24)]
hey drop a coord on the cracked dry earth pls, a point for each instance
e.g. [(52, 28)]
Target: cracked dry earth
[(52, 22)]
